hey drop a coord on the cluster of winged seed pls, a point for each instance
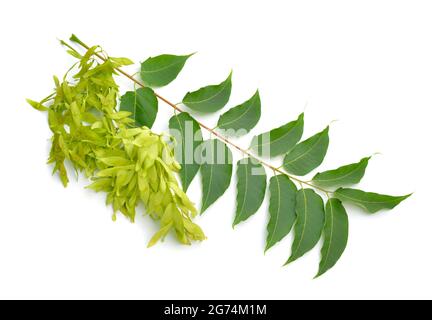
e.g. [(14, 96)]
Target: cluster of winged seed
[(143, 171), (132, 165)]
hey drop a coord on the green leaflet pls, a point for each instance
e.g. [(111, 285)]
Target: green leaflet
[(161, 70), (280, 140), (189, 137), (143, 106), (211, 98), (243, 117), (216, 171), (335, 235), (309, 225), (349, 174), (371, 202), (283, 193), (307, 155), (251, 188)]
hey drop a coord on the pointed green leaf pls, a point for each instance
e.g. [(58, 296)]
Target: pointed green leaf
[(142, 104), (216, 171), (307, 155), (211, 98), (243, 117), (335, 235), (283, 193), (189, 137), (161, 70), (251, 188), (280, 140), (349, 174), (310, 223), (371, 202)]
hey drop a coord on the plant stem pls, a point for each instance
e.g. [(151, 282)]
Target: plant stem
[(204, 126)]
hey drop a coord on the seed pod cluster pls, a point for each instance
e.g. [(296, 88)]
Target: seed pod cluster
[(132, 165), (142, 170)]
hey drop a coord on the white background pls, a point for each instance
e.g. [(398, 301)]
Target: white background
[(365, 63)]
